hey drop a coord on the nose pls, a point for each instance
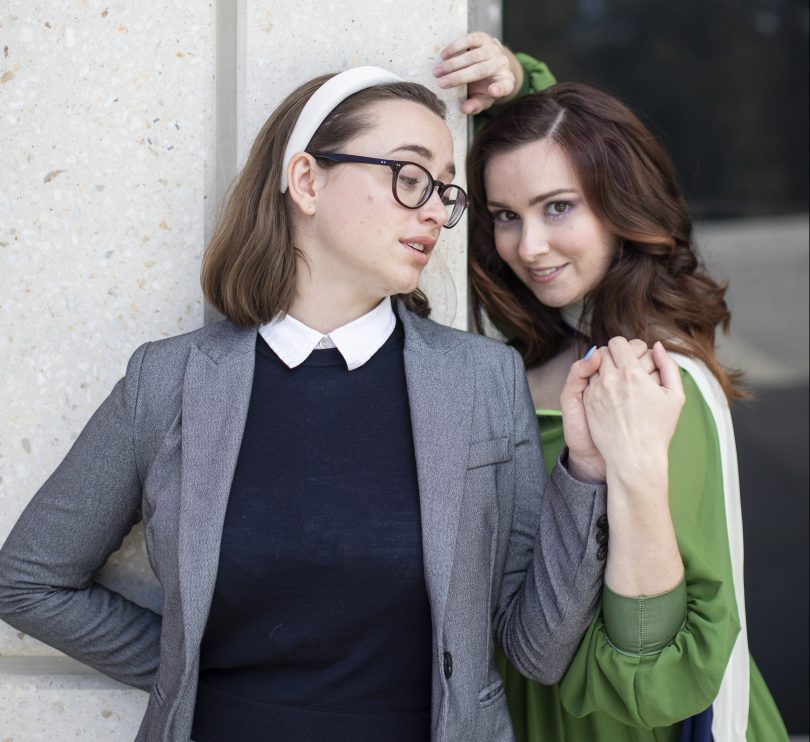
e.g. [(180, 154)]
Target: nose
[(533, 242), (433, 209)]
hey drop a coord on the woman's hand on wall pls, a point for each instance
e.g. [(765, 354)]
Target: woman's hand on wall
[(482, 63)]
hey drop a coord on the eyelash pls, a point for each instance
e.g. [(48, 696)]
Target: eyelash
[(497, 221), (548, 212), (558, 214)]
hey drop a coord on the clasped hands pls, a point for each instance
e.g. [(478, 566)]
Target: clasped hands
[(620, 409)]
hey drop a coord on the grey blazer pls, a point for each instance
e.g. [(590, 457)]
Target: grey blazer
[(510, 555)]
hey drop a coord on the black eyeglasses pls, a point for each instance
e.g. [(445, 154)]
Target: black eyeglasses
[(412, 185)]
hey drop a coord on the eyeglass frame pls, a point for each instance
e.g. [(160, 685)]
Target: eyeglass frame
[(396, 166)]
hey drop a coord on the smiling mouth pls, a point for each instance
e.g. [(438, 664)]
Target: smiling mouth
[(544, 275), (416, 246), (545, 271)]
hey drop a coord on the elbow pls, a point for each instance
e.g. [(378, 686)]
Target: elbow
[(18, 594), (543, 662), (545, 669)]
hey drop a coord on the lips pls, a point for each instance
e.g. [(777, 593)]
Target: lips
[(422, 244), (544, 275)]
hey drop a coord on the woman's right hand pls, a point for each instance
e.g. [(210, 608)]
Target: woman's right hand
[(478, 60)]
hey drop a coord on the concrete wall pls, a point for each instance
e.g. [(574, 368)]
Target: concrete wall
[(121, 125)]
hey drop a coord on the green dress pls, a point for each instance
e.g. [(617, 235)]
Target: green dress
[(622, 687)]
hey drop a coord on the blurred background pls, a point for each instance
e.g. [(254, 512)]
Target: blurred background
[(725, 86)]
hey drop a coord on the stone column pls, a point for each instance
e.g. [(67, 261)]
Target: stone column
[(121, 126)]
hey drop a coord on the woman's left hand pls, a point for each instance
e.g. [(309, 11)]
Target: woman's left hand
[(478, 60), (631, 416)]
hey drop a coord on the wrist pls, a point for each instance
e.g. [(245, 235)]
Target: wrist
[(639, 473), (585, 469)]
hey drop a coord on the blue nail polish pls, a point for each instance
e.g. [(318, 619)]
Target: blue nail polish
[(587, 356)]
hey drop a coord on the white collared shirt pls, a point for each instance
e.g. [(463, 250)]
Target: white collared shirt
[(292, 341)]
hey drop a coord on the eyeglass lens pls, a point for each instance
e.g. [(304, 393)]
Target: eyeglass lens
[(414, 186)]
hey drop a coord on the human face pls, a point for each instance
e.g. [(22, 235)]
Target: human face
[(366, 244), (544, 231)]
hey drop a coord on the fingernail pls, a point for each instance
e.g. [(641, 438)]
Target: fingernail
[(437, 70), (587, 356)]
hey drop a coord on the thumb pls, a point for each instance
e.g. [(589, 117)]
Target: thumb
[(583, 369)]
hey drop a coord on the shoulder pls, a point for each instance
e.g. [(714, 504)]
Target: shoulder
[(156, 370), (481, 350), (218, 342)]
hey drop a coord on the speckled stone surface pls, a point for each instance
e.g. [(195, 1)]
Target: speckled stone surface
[(109, 163), (49, 708), (105, 118), (287, 44)]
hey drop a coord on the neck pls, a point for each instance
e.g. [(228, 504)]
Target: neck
[(325, 311), (573, 316)]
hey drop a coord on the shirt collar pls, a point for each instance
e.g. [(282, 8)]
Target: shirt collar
[(292, 341)]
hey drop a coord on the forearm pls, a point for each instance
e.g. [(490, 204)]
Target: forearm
[(542, 625), (643, 555), (552, 576), (64, 536), (93, 625)]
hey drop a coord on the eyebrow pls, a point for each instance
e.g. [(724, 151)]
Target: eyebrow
[(423, 152), (536, 199)]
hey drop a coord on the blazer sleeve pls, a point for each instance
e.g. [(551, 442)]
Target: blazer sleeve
[(65, 534), (552, 577), (676, 672)]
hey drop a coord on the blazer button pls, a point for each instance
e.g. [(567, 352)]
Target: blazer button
[(601, 536), (601, 554), (448, 665), (602, 521)]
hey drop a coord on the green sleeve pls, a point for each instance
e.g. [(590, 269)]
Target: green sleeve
[(644, 685), (536, 77)]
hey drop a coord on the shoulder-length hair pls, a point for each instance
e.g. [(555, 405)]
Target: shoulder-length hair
[(250, 266), (655, 287)]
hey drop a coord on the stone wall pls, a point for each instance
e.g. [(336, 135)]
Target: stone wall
[(122, 125)]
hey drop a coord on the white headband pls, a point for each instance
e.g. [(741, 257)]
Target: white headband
[(323, 101)]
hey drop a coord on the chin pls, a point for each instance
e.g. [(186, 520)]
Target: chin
[(405, 284)]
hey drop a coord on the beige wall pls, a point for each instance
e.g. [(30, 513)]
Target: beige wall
[(121, 125)]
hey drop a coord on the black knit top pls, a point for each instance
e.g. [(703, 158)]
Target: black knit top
[(320, 625)]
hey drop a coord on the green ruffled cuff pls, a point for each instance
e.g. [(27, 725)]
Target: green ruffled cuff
[(643, 625), (536, 77)]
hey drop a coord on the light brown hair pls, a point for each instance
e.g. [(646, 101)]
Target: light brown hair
[(655, 287), (250, 266)]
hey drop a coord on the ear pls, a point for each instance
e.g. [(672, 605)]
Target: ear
[(304, 180)]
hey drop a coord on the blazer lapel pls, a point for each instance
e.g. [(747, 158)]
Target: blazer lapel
[(440, 391), (216, 396)]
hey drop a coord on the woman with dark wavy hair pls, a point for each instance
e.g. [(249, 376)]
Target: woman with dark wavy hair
[(580, 233)]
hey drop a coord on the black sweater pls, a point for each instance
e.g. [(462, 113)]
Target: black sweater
[(320, 625)]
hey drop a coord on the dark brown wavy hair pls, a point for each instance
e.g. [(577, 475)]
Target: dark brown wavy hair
[(250, 266), (655, 287)]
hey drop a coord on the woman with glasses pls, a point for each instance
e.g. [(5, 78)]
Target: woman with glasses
[(581, 232), (344, 502)]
